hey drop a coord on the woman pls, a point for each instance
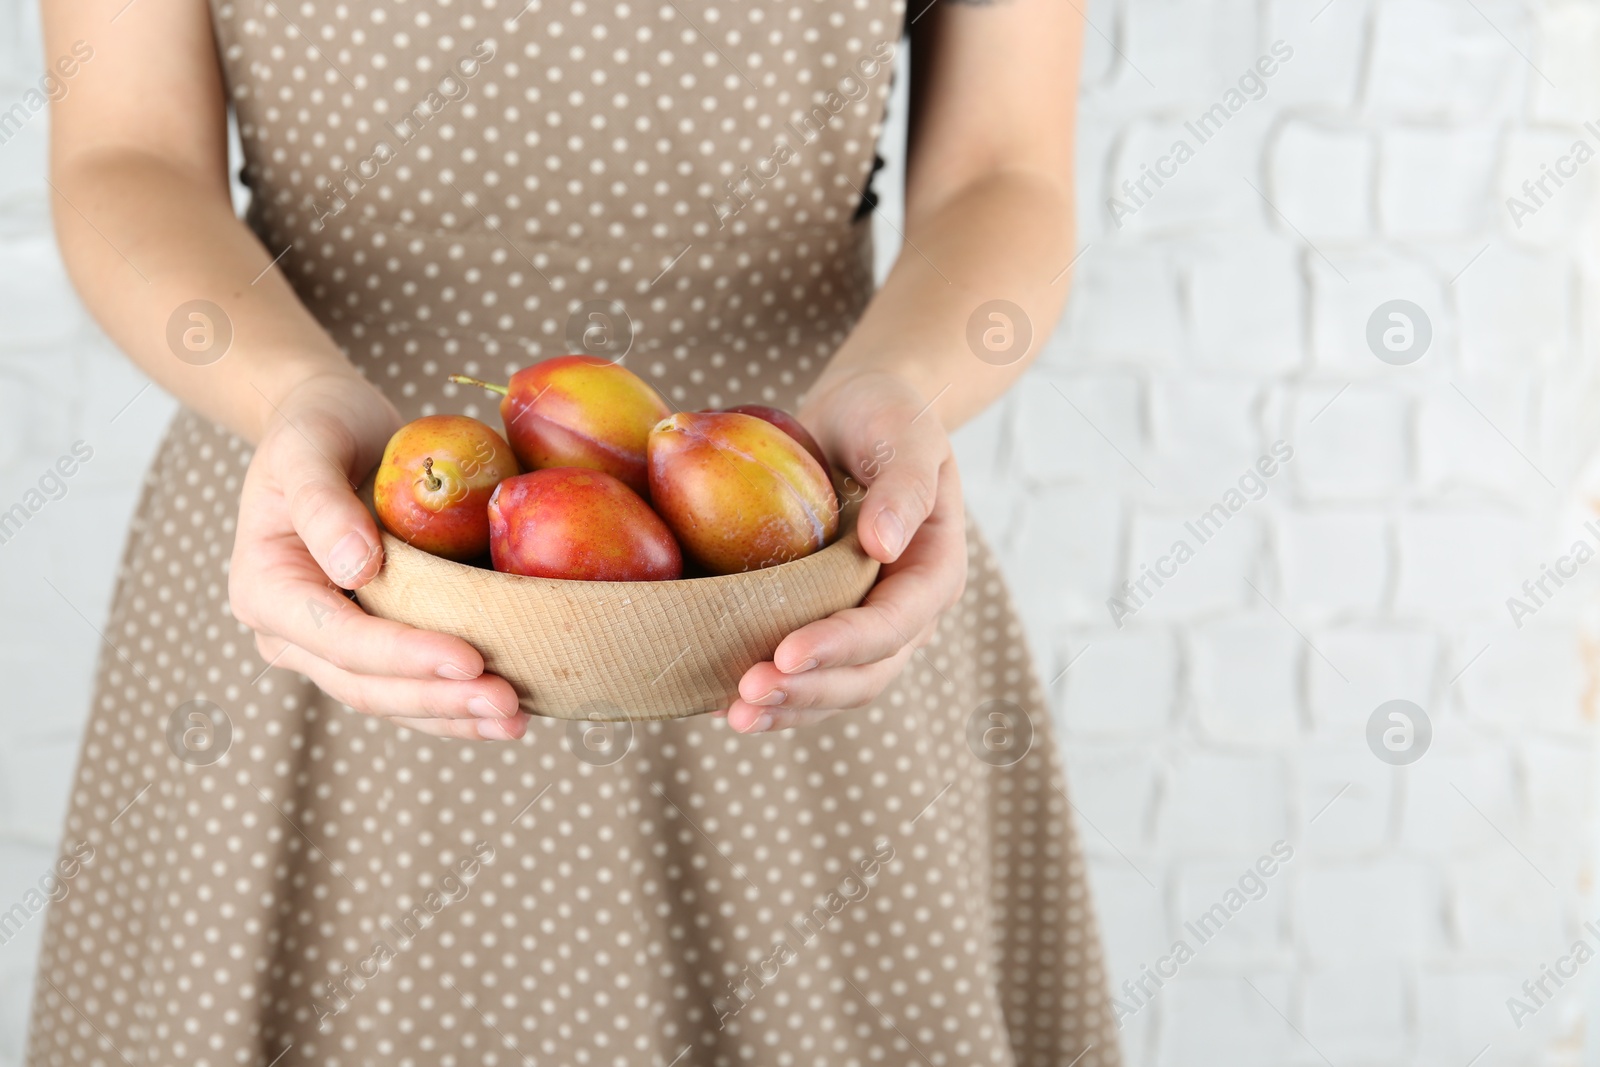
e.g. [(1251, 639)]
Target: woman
[(841, 871)]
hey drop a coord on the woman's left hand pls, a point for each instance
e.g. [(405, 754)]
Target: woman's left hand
[(886, 437)]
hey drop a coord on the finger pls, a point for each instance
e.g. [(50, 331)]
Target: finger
[(771, 700), (279, 590), (335, 525), (895, 611), (469, 730), (904, 489), (911, 592), (765, 685), (487, 697)]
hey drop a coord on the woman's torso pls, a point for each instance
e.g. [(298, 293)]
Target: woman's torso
[(464, 187)]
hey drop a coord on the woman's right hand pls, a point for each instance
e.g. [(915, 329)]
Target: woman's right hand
[(303, 535)]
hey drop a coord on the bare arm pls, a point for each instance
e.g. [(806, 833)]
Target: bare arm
[(138, 161), (988, 217), (989, 210)]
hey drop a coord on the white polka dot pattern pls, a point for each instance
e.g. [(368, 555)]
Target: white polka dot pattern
[(337, 891), (584, 158)]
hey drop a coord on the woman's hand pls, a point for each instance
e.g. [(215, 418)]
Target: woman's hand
[(882, 433), (303, 534)]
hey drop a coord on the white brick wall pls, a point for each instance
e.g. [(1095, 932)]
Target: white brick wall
[(1206, 328), (1199, 333)]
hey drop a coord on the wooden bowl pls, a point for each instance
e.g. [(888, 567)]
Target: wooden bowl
[(619, 650)]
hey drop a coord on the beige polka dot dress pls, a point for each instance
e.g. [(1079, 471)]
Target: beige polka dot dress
[(453, 184)]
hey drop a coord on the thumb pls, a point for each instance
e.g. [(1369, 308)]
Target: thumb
[(902, 479), (335, 525)]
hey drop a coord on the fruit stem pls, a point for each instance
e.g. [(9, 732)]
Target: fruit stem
[(462, 379), (430, 479)]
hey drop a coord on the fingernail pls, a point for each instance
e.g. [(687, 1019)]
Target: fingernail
[(801, 669), (762, 724), (776, 696), (891, 531), (484, 708), (349, 557), (454, 673), (494, 729)]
